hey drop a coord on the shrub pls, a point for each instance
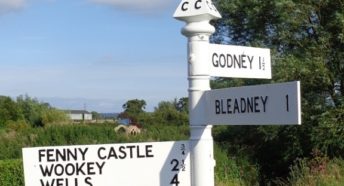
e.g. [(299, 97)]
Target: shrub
[(318, 170), (11, 173), (234, 170)]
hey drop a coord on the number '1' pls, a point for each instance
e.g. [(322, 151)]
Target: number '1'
[(287, 102)]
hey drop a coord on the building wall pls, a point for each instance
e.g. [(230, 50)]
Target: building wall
[(75, 116), (80, 117), (88, 116)]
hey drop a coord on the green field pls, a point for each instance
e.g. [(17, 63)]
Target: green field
[(233, 168)]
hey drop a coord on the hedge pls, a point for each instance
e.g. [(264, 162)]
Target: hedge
[(11, 173)]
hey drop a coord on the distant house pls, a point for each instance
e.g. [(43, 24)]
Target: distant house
[(79, 115), (124, 119)]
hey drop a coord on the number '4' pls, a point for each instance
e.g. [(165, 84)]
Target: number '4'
[(175, 180)]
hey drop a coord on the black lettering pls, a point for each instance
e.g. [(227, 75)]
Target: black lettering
[(99, 154), (287, 102), (222, 109), (222, 60), (217, 107), (112, 153), (60, 155), (100, 167), (149, 151), (122, 151), (264, 102), (236, 106), (256, 104), (46, 171), (40, 154), (76, 183), (209, 6), (250, 105), (215, 62), (175, 180), (131, 150), (70, 169), (229, 64), (250, 60), (261, 63), (58, 170), (83, 153), (243, 61), (71, 154), (138, 153), (90, 168), (236, 61), (242, 105), (88, 181), (61, 181), (229, 111), (50, 155), (47, 183), (196, 4), (183, 6), (176, 164), (79, 168)]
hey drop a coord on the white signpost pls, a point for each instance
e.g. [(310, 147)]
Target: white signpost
[(239, 61), (272, 104), (182, 163), (255, 105), (130, 164)]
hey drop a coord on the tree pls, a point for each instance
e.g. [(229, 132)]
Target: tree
[(307, 43), (167, 113), (134, 109), (182, 105), (134, 106), (9, 111), (96, 116), (31, 109), (309, 32)]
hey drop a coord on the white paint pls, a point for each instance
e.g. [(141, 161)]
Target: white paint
[(141, 164), (253, 62), (196, 10), (197, 15), (273, 104)]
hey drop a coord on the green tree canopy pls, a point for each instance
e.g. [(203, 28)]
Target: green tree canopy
[(306, 39), (26, 110), (134, 109), (134, 106), (9, 111), (171, 112)]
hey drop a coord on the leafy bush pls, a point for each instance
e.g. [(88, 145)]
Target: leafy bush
[(319, 170), (232, 170), (9, 111), (229, 171), (328, 136), (11, 173)]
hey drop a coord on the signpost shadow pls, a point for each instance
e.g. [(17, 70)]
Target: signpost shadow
[(176, 169)]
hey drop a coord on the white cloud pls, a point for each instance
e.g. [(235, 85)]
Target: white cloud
[(136, 5), (11, 5)]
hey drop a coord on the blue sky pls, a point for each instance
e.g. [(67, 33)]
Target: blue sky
[(92, 53)]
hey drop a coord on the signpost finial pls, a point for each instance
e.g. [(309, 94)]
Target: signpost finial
[(196, 10)]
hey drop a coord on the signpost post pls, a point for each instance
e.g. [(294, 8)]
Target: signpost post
[(197, 14), (174, 163), (268, 104)]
